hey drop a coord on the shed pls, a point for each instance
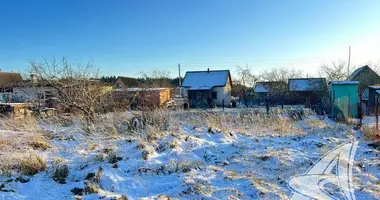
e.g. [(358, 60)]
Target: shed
[(373, 93), (16, 110), (307, 91), (344, 99)]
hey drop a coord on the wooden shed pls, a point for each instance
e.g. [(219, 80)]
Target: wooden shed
[(344, 99), (373, 93), (16, 110)]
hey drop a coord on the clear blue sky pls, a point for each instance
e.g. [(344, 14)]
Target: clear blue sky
[(124, 37)]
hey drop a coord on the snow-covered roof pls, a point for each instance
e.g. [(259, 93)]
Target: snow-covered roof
[(375, 87), (344, 82), (261, 88), (265, 87), (307, 84), (205, 80)]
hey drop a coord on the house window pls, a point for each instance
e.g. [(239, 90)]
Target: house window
[(49, 94), (214, 95)]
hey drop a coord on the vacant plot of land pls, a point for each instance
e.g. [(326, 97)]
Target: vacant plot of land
[(242, 154)]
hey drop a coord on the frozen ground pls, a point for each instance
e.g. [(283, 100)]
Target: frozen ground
[(194, 162)]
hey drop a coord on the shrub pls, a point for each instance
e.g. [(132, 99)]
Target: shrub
[(370, 133), (32, 164), (60, 174), (39, 143)]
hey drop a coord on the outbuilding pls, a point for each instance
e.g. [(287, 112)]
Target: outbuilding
[(344, 99)]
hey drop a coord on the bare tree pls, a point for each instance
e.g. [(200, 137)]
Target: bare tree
[(247, 80), (156, 79), (375, 66), (279, 74), (336, 71), (77, 84)]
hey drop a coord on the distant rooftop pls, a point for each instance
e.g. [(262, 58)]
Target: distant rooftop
[(8, 78), (265, 87), (307, 84)]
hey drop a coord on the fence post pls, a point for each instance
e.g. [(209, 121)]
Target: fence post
[(267, 104), (223, 104), (377, 113), (360, 110), (282, 102), (349, 106)]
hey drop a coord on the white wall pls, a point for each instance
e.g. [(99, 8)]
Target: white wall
[(32, 94), (222, 93)]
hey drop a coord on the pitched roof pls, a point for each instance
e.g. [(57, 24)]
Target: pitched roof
[(307, 84), (128, 81), (205, 80), (358, 70), (9, 78), (377, 87), (264, 87), (344, 82)]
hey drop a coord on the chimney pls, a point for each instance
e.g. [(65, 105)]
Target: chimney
[(33, 78), (208, 70)]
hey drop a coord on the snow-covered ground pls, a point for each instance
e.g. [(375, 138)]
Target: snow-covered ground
[(192, 161)]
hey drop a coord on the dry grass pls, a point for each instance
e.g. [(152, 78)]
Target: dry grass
[(40, 143), (27, 124), (21, 140), (370, 133), (32, 164), (249, 121), (316, 124)]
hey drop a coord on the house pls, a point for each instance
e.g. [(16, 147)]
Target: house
[(366, 77), (344, 99), (271, 89), (33, 94), (142, 97), (307, 91), (126, 82), (207, 88), (7, 79), (33, 91)]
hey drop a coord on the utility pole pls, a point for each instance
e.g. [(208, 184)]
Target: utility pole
[(349, 59), (179, 80), (179, 75)]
